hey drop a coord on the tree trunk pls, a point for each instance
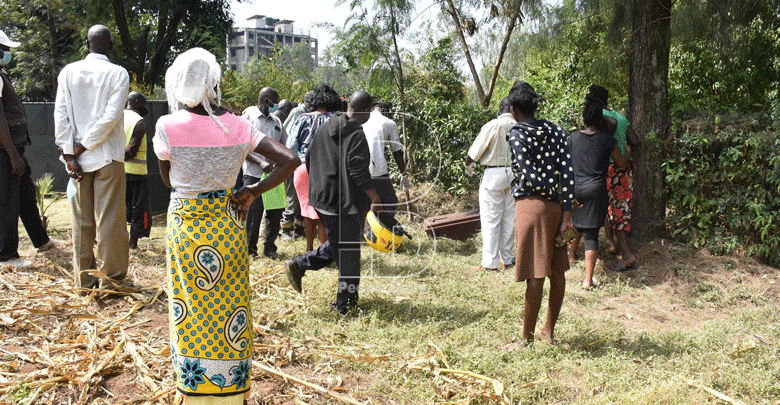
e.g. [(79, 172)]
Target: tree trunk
[(163, 46), (135, 64), (480, 92), (509, 29), (648, 97), (53, 49), (401, 89)]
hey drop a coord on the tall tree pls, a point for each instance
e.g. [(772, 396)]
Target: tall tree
[(147, 35), (150, 30), (648, 96), (373, 36), (510, 10), (49, 39)]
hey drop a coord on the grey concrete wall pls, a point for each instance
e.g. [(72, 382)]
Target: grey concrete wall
[(44, 157)]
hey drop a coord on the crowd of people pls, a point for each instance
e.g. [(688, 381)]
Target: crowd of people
[(314, 169), (543, 190)]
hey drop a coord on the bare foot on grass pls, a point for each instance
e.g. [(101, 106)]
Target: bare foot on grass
[(546, 335), (588, 285), (513, 345), (625, 263)]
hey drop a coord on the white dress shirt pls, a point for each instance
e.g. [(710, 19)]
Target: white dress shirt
[(270, 126), (490, 148), (380, 131), (91, 96)]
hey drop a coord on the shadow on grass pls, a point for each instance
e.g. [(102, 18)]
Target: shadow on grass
[(449, 247), (641, 347), (383, 311)]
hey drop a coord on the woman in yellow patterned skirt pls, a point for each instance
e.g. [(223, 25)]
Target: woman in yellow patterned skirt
[(201, 148)]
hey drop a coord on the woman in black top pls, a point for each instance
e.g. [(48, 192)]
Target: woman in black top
[(591, 149)]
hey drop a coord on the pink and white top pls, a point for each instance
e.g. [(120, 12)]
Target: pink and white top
[(203, 157)]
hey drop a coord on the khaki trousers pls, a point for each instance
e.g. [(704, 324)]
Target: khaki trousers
[(99, 214)]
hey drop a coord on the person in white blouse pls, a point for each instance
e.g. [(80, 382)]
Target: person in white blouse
[(88, 129)]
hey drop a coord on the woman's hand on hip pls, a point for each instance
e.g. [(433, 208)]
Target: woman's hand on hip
[(242, 199)]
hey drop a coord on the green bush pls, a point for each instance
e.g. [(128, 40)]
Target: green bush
[(723, 189), (441, 132)]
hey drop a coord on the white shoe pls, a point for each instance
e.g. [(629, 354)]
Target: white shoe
[(18, 263)]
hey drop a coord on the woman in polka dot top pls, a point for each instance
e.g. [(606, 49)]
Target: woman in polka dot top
[(543, 188)]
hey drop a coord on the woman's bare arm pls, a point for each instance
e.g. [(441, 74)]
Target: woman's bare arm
[(286, 161), (165, 172)]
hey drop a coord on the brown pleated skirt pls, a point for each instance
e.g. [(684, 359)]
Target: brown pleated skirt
[(536, 223)]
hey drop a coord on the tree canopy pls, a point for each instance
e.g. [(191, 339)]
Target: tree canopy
[(147, 36)]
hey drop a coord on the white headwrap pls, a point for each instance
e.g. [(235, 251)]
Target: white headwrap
[(193, 79)]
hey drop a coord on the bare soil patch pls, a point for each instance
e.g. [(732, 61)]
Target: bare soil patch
[(679, 288)]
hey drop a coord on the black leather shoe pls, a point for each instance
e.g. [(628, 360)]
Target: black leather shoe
[(294, 275)]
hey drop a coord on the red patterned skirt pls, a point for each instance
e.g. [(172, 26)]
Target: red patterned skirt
[(621, 194)]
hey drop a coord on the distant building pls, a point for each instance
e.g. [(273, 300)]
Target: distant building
[(259, 39)]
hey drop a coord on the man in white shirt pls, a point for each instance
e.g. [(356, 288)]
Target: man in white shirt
[(382, 131), (496, 204), (256, 167), (89, 130)]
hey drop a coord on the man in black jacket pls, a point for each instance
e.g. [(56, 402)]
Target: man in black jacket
[(339, 181), (17, 191)]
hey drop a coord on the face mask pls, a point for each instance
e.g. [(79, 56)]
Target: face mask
[(273, 107), (6, 59)]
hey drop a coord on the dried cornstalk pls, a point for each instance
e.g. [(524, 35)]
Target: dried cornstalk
[(135, 308), (289, 378), (711, 391), (100, 366), (143, 369), (432, 365)]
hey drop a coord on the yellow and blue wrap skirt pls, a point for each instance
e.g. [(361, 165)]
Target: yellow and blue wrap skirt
[(210, 315)]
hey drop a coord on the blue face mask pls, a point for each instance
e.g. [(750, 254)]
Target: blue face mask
[(6, 59), (273, 107)]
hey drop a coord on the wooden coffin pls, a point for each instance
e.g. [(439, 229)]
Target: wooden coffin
[(458, 225)]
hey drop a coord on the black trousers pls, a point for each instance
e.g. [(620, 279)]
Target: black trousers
[(343, 247), (17, 200), (253, 218), (292, 214), (139, 206), (384, 187)]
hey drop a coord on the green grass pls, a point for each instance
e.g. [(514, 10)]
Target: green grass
[(471, 315), (629, 342)]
